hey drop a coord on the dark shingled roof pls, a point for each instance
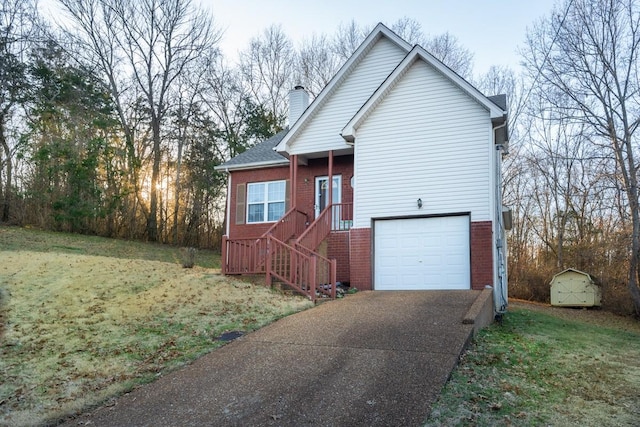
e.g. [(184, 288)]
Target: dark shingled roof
[(260, 153), (499, 100)]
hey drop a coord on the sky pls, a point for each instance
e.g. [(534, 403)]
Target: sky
[(491, 29)]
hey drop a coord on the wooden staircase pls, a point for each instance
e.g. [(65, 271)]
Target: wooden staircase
[(295, 264)]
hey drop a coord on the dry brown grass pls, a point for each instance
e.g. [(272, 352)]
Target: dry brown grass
[(80, 328)]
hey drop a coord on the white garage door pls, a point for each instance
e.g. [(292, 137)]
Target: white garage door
[(422, 253)]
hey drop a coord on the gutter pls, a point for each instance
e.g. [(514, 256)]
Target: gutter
[(257, 165)]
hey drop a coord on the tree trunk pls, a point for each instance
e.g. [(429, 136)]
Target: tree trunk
[(176, 202), (634, 291), (152, 219), (6, 200)]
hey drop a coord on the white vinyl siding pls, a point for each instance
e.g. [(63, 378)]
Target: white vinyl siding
[(427, 139), (322, 132), (265, 201)]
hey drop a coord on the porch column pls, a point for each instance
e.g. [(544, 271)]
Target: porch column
[(293, 179), (330, 179)]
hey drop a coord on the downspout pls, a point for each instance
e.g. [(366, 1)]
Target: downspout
[(500, 297)]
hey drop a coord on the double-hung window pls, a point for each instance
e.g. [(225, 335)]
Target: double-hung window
[(265, 201)]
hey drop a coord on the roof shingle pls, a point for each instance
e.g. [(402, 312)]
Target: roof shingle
[(259, 154)]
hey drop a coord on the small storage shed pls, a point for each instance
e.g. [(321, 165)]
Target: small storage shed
[(574, 288)]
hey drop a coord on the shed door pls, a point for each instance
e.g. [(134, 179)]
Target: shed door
[(422, 253)]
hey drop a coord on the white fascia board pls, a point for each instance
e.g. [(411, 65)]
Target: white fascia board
[(418, 52), (379, 31)]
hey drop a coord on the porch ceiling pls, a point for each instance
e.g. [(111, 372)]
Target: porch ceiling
[(323, 154)]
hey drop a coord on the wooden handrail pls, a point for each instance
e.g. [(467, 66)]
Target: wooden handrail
[(292, 223), (298, 266), (335, 217), (303, 270), (244, 256), (309, 274)]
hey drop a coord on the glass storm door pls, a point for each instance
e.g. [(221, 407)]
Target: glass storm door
[(322, 192)]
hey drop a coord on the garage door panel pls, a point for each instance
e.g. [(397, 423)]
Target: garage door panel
[(422, 253)]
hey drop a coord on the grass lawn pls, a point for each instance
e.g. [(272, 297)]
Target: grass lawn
[(547, 367), (86, 318)]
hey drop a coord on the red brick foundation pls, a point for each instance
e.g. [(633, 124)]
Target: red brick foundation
[(481, 254), (338, 248), (360, 255)]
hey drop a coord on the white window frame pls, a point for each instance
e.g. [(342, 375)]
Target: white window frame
[(265, 203)]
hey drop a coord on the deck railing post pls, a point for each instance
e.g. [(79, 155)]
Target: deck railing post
[(223, 257), (294, 268), (268, 261), (334, 268), (313, 278)]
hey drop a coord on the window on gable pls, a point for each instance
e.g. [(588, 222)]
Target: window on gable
[(265, 201)]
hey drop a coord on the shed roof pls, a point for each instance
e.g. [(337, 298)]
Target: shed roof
[(572, 270), (260, 155)]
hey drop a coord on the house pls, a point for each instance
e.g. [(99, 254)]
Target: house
[(389, 180)]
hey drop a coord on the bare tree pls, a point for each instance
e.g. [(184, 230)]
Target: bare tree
[(503, 80), (155, 40), (347, 39), (17, 25), (267, 67), (93, 38), (585, 58), (317, 63), (410, 30), (447, 48)]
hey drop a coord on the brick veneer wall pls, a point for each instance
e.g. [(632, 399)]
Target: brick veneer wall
[(481, 254), (246, 231), (342, 165), (306, 197), (339, 249), (360, 257)]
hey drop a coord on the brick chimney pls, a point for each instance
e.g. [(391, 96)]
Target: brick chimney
[(298, 102)]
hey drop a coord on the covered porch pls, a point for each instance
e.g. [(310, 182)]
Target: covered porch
[(307, 249)]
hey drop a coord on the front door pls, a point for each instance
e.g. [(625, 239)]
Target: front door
[(322, 192)]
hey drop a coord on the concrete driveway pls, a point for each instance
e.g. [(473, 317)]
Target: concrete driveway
[(371, 359)]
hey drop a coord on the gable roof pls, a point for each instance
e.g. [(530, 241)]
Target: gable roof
[(260, 155), (378, 32), (571, 270), (419, 53)]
